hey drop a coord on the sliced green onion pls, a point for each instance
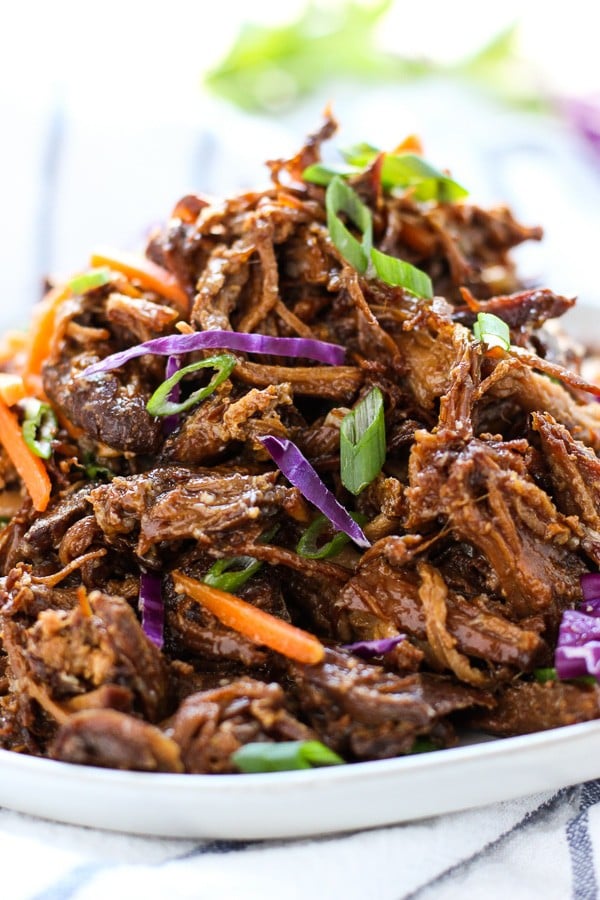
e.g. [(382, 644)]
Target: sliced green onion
[(282, 757), (39, 427), (402, 274), (245, 567), (341, 198), (321, 174), (423, 745), (544, 675), (491, 330), (307, 545), (220, 576), (403, 170), (4, 521), (93, 470), (95, 278), (550, 674), (159, 403), (362, 442)]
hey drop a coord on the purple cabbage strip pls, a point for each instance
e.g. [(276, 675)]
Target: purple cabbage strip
[(578, 647), (171, 423), (301, 474), (369, 649), (584, 115), (176, 344), (590, 586), (152, 608)]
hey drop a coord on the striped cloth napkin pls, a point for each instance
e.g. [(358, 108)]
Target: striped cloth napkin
[(542, 846)]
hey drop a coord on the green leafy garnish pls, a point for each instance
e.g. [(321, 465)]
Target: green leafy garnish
[(284, 756), (39, 427), (159, 403), (407, 170), (4, 521), (492, 331), (95, 278), (341, 198), (362, 442), (322, 174), (307, 545)]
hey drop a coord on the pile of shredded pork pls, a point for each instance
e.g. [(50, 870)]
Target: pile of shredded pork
[(481, 522)]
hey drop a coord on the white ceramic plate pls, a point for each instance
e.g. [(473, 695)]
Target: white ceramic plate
[(320, 801), (296, 804)]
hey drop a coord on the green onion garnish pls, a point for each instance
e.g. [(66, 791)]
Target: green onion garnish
[(423, 745), (550, 674), (544, 675), (4, 521), (341, 198), (39, 427), (307, 545), (491, 330), (362, 442), (282, 757), (402, 274), (93, 470), (159, 403), (95, 278), (220, 576), (398, 170)]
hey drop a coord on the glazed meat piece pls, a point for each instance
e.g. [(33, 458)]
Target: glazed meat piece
[(364, 712), (114, 740), (526, 707), (173, 504), (210, 726), (71, 653)]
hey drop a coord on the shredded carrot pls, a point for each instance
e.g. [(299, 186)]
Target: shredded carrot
[(410, 144), (150, 276), (258, 626), (84, 601), (43, 327), (12, 344), (31, 468), (12, 388)]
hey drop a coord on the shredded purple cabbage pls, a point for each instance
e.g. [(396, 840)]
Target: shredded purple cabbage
[(578, 646), (152, 608), (301, 474), (176, 344), (369, 649), (584, 115)]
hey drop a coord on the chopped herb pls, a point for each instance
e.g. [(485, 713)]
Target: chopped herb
[(544, 675), (362, 442), (402, 274), (39, 427), (159, 403), (220, 576), (95, 471), (282, 757), (423, 745)]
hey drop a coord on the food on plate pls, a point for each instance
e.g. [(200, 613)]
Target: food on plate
[(310, 482)]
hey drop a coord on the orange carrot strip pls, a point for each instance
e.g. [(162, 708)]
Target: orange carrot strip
[(13, 343), (258, 626), (43, 327), (151, 276), (12, 388), (31, 468), (410, 144)]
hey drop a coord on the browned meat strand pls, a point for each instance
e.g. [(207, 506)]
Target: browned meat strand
[(211, 725), (482, 519), (105, 737)]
